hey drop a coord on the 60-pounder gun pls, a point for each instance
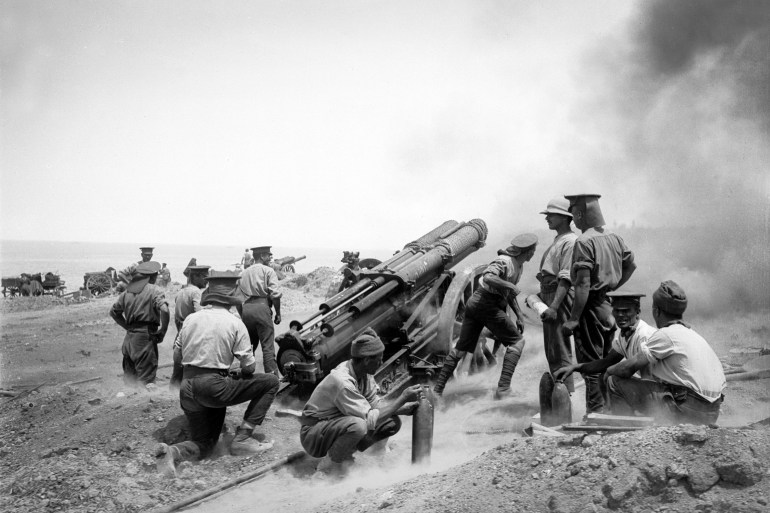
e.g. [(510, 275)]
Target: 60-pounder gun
[(414, 301)]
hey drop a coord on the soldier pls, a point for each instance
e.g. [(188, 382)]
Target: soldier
[(142, 311), (488, 308), (627, 342), (259, 285), (556, 287), (686, 377), (209, 342), (124, 276), (601, 263), (246, 260), (188, 301), (344, 414), (165, 276)]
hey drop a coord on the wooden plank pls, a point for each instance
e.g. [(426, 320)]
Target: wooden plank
[(617, 420), (586, 427), (748, 376)]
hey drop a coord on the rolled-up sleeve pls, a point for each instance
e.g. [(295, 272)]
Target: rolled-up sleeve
[(272, 285), (350, 402), (658, 347), (565, 260), (583, 256), (159, 301), (242, 346)]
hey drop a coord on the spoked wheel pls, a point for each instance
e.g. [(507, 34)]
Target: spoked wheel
[(451, 316), (288, 268), (98, 283)]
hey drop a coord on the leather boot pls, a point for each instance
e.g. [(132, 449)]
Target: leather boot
[(510, 360), (244, 445), (165, 459), (450, 364)]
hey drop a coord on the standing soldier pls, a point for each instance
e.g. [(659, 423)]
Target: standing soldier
[(259, 285), (165, 276), (188, 301), (247, 260), (143, 312), (210, 340), (488, 308), (601, 262), (126, 274), (556, 287)]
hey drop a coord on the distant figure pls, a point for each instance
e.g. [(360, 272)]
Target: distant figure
[(247, 260), (165, 276), (188, 301), (601, 263), (259, 286), (352, 260), (125, 276), (488, 308), (142, 311), (36, 285), (687, 379)]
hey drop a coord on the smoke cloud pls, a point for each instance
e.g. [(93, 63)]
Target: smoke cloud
[(680, 113)]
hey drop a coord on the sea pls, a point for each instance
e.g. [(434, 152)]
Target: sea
[(72, 260)]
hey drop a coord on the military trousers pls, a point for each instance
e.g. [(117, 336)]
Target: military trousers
[(558, 351), (667, 403), (593, 341), (257, 316), (342, 436), (204, 397), (140, 355)]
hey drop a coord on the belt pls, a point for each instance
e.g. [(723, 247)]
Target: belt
[(190, 371), (548, 282), (141, 324), (308, 421), (256, 299)]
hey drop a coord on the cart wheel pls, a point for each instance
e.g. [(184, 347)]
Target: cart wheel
[(450, 318), (98, 284), (288, 268)]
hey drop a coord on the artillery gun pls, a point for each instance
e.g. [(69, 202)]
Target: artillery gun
[(415, 301), (286, 264)]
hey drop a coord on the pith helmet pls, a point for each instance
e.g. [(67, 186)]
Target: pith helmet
[(557, 206)]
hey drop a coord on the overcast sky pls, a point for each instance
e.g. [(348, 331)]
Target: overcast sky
[(342, 123)]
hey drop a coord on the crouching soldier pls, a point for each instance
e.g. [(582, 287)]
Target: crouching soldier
[(344, 413), (686, 379), (209, 342)]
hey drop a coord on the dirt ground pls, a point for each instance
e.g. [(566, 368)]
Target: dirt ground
[(74, 438)]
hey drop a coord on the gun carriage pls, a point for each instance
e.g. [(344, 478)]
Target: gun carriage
[(286, 264), (100, 282), (415, 301)]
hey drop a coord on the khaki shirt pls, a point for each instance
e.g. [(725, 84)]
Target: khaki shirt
[(187, 301), (557, 260), (631, 345), (677, 355), (506, 268), (343, 394), (144, 307), (603, 254), (212, 338), (259, 280)]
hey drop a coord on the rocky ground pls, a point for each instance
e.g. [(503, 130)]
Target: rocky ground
[(74, 438)]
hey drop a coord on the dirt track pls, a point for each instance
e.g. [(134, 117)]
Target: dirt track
[(87, 447)]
